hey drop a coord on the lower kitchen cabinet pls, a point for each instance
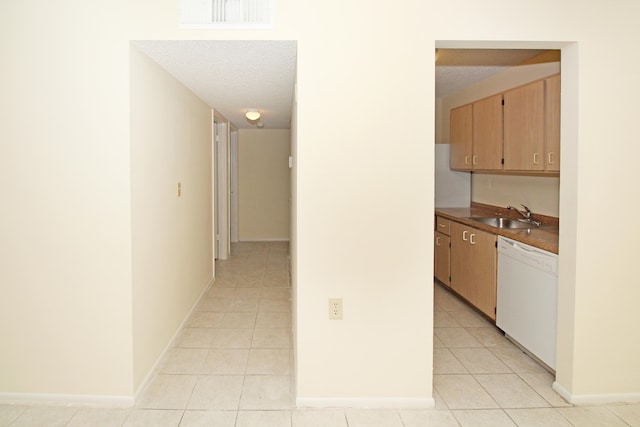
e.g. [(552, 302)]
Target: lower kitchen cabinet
[(473, 266), (441, 257)]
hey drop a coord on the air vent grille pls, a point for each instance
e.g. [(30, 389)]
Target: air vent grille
[(226, 13)]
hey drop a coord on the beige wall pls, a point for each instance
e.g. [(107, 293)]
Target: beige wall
[(171, 235), (264, 184), (66, 221)]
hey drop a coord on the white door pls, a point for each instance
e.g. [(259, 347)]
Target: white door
[(233, 176)]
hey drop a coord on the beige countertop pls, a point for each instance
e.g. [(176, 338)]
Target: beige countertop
[(544, 237)]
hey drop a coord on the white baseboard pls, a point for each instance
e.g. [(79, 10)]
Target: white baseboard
[(152, 372), (595, 399), (66, 400), (275, 239), (366, 403)]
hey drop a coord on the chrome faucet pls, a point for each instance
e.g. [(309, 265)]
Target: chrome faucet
[(526, 214)]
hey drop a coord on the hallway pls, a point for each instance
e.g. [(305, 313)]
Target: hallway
[(231, 366)]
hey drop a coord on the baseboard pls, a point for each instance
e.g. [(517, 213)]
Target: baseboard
[(276, 239), (595, 399), (154, 369), (367, 403), (66, 400)]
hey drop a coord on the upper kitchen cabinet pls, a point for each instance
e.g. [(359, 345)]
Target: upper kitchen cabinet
[(487, 134), (524, 113), (517, 130), (476, 135), (461, 122), (552, 123)]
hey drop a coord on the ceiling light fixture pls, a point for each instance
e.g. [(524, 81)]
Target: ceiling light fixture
[(252, 115)]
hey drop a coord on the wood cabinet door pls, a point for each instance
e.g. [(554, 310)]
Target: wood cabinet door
[(552, 123), (461, 256), (460, 138), (487, 133), (484, 271), (524, 128), (441, 257)]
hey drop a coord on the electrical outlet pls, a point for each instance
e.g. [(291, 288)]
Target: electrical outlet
[(335, 308)]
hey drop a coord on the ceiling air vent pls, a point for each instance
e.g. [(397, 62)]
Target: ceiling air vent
[(226, 14)]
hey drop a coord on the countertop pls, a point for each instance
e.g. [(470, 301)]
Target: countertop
[(544, 237)]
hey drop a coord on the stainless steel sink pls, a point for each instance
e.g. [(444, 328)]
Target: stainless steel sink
[(500, 222)]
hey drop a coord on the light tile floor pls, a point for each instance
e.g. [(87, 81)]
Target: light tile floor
[(231, 367)]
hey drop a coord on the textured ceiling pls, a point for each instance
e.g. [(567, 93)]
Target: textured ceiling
[(233, 76), (459, 68)]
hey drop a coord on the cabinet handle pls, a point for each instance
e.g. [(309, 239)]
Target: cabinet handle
[(550, 158), (464, 235), (466, 160), (441, 225), (475, 160), (473, 242), (437, 241), (536, 160)]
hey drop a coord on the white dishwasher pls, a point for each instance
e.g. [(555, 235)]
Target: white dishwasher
[(527, 297)]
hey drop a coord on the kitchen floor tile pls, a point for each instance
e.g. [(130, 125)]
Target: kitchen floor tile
[(428, 418), (542, 383), (237, 321), (480, 361), (266, 392), (444, 319), (205, 319), (517, 360), (9, 413), (264, 419), (183, 361), (50, 416), (462, 392), (591, 416), (535, 417), (273, 320), (208, 419), (271, 338), (483, 418), (219, 392), (268, 362), (318, 418), (510, 391), (444, 362), (629, 413), (102, 417), (373, 418), (490, 337), (456, 337), (231, 338), (225, 361), (153, 417), (168, 392)]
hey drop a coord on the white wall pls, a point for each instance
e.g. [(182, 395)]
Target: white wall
[(65, 226), (171, 238), (264, 184), (65, 152)]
